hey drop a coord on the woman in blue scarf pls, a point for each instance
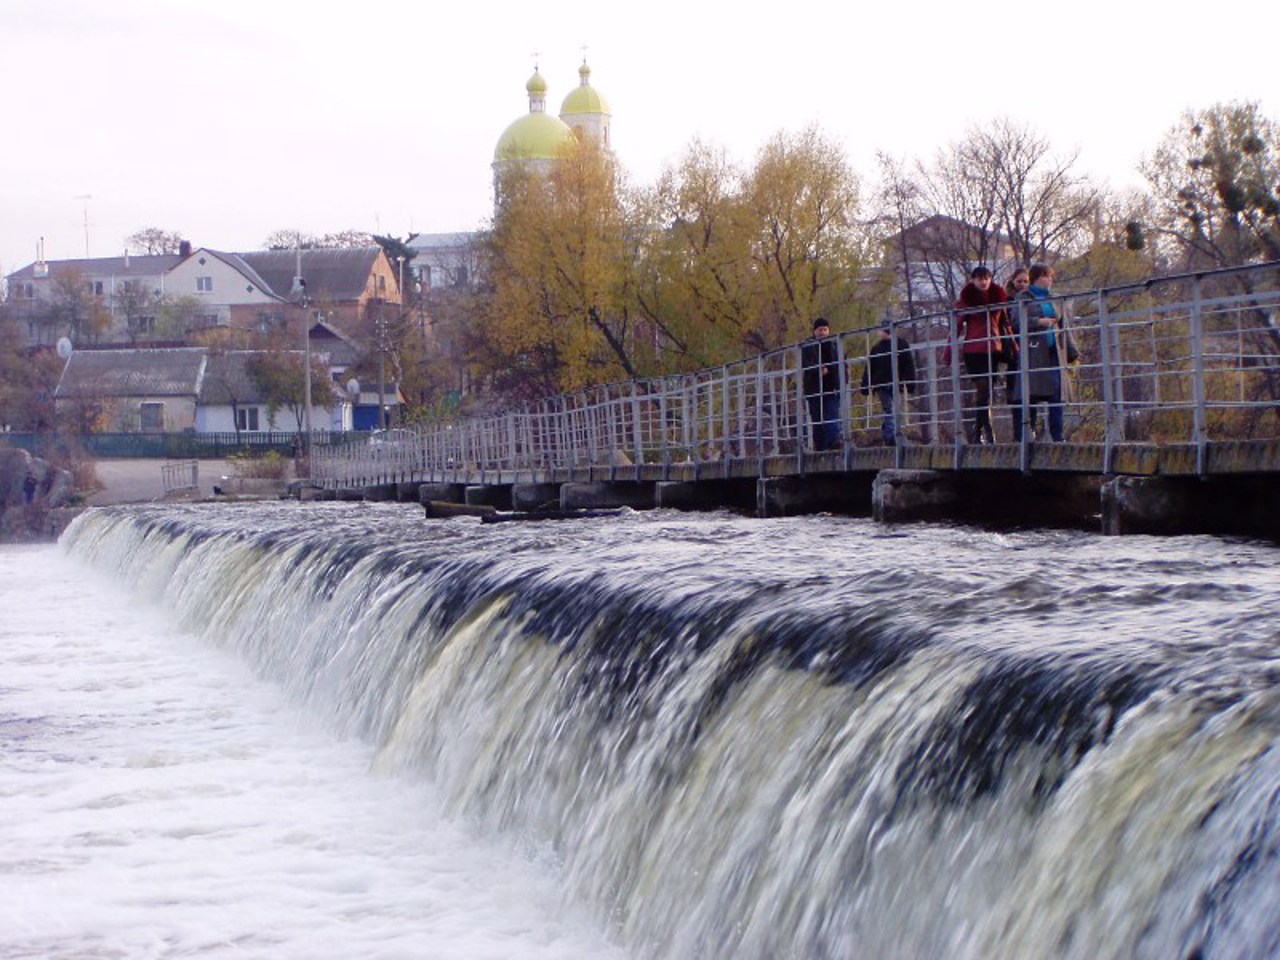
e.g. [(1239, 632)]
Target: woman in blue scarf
[(1043, 367)]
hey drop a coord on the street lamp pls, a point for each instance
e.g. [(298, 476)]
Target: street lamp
[(300, 295)]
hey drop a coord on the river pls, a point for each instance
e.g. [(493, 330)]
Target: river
[(340, 729)]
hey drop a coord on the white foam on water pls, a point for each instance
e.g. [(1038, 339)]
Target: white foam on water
[(158, 800)]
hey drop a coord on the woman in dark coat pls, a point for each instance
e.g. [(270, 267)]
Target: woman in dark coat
[(981, 321)]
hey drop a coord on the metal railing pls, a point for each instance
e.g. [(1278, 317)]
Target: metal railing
[(1193, 358), (172, 446), (184, 475)]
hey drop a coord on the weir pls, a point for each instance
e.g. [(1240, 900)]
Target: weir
[(786, 740)]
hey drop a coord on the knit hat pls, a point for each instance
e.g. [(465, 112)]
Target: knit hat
[(820, 322)]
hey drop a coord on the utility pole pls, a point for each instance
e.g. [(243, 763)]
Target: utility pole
[(382, 366), (300, 294)]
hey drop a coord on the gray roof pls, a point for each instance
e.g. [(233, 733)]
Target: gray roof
[(438, 241), (107, 266), (227, 379), (341, 274), (99, 374), (342, 350)]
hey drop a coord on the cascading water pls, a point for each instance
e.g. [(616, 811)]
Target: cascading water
[(810, 738)]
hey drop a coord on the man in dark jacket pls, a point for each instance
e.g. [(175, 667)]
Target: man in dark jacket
[(820, 364), (878, 375)]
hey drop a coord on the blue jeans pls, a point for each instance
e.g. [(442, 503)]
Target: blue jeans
[(885, 396), (824, 414)]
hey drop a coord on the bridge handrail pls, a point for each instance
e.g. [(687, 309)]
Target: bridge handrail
[(1199, 362)]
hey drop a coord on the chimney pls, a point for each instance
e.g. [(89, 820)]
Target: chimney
[(184, 248)]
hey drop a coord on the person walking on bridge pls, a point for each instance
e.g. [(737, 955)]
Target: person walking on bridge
[(820, 380), (878, 376), (981, 321), (1048, 345)]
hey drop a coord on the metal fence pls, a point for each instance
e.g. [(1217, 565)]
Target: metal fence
[(1186, 359), (183, 475), (172, 446)]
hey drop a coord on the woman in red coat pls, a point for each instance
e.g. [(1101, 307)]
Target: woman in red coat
[(980, 322)]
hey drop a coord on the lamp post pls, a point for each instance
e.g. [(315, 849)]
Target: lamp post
[(382, 367), (300, 294)]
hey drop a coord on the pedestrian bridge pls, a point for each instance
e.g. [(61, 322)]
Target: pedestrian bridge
[(1177, 377)]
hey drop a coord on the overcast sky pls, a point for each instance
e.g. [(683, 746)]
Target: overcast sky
[(226, 121)]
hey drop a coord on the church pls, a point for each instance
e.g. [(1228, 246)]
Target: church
[(534, 139)]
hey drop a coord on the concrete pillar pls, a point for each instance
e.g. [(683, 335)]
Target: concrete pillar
[(488, 495), (706, 494), (443, 492), (380, 492), (532, 496), (1148, 505), (588, 496), (903, 496), (848, 493)]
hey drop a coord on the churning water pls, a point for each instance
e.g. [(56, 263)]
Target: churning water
[(718, 737)]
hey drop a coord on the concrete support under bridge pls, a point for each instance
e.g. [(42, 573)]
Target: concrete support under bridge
[(1242, 505), (993, 494)]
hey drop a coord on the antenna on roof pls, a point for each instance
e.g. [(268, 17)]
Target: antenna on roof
[(85, 198), (41, 269)]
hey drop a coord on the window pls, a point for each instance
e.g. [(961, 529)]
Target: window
[(152, 417), (142, 324), (94, 287), (204, 284), (27, 291), (247, 418)]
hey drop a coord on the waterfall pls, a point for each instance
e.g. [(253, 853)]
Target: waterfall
[(728, 762)]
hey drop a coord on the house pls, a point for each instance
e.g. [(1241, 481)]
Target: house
[(256, 291), (367, 396), (232, 399), (931, 260), (118, 300), (131, 391), (97, 300), (220, 286), (444, 261), (171, 390)]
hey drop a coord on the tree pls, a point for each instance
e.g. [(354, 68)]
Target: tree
[(281, 376), (741, 261), (1006, 199), (152, 241), (557, 266), (27, 381), (899, 204), (1215, 180), (1045, 207), (292, 239), (176, 316), (694, 265), (802, 198), (73, 310), (140, 306)]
